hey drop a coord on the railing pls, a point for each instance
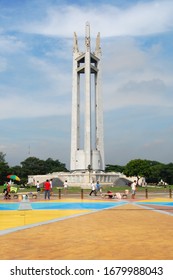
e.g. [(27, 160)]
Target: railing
[(151, 193)]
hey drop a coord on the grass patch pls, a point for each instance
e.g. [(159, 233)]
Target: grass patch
[(77, 190)]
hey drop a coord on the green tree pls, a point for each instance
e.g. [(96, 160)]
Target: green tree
[(54, 166), (2, 157), (138, 167), (167, 173), (155, 172), (33, 166), (4, 168), (36, 166), (17, 170), (114, 168)]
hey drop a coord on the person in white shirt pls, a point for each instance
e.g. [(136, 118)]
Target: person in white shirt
[(65, 184), (133, 189), (38, 186), (93, 188), (51, 184)]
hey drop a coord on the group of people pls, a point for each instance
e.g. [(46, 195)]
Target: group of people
[(47, 187), (38, 185), (95, 188)]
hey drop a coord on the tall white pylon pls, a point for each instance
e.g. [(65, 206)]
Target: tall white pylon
[(91, 155)]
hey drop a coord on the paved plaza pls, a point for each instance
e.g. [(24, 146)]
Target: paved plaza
[(88, 229)]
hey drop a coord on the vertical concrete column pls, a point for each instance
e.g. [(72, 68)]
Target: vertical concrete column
[(75, 129), (87, 138), (99, 106), (87, 64)]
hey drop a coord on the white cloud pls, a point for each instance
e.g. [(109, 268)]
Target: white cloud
[(3, 64), (10, 44), (36, 76), (16, 106), (152, 93), (146, 18), (53, 74), (123, 55), (136, 76)]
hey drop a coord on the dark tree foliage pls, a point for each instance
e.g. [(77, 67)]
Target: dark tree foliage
[(54, 166), (3, 168), (137, 167), (167, 173), (2, 157), (36, 166), (30, 166), (33, 166), (153, 171), (114, 168)]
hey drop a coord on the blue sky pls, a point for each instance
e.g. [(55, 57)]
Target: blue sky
[(36, 41)]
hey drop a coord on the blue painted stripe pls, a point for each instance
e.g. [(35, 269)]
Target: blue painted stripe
[(157, 203), (64, 205), (150, 208), (75, 206), (9, 206)]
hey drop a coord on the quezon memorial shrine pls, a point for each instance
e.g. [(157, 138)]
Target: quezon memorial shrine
[(87, 140)]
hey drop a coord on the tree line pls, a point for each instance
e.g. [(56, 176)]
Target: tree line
[(30, 166), (153, 171)]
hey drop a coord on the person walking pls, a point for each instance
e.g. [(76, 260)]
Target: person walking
[(93, 188), (6, 191), (38, 186), (98, 187), (133, 189), (47, 188)]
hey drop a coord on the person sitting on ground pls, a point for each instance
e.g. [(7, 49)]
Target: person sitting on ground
[(110, 194), (118, 195)]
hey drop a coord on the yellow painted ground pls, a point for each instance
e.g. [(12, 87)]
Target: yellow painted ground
[(157, 200), (16, 218), (13, 219), (127, 232), (123, 233)]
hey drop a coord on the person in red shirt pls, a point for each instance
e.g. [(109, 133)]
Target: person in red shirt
[(6, 191), (47, 187), (111, 194)]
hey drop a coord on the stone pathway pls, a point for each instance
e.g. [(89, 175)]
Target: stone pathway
[(127, 232)]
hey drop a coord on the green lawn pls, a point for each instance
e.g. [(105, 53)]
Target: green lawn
[(76, 190)]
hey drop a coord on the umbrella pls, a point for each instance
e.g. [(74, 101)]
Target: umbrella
[(13, 177)]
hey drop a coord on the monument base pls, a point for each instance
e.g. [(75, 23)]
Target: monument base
[(82, 179)]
